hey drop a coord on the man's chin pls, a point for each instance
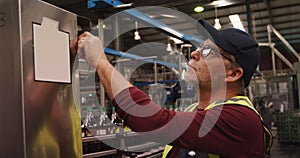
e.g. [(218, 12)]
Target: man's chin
[(192, 81)]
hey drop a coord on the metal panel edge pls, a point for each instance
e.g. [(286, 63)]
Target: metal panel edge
[(11, 113)]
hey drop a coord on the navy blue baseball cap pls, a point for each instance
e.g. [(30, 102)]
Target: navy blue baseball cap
[(238, 43)]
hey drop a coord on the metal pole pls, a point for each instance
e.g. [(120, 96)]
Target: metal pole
[(285, 42), (269, 29), (280, 56), (180, 62), (155, 71), (141, 58), (101, 35), (13, 136), (249, 17), (117, 32), (273, 62)]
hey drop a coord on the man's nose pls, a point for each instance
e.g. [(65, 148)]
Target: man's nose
[(195, 55)]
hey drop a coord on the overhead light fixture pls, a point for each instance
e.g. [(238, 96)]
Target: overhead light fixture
[(124, 5), (136, 33), (221, 3), (169, 47), (236, 22), (198, 9), (137, 36), (217, 24)]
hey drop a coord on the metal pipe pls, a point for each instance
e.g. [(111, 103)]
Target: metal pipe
[(117, 32), (141, 58), (273, 62), (102, 153), (101, 137), (284, 41), (142, 146), (155, 71), (132, 56), (269, 29), (180, 62), (249, 20), (287, 62), (102, 90), (265, 44)]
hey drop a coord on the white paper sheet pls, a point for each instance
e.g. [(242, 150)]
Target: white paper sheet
[(51, 52)]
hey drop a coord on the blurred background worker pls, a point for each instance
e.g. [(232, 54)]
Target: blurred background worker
[(225, 123)]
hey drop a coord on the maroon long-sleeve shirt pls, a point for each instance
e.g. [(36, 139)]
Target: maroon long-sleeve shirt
[(229, 131)]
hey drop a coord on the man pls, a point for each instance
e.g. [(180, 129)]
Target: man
[(225, 123)]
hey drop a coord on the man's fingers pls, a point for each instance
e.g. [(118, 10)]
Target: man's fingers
[(85, 34), (80, 44)]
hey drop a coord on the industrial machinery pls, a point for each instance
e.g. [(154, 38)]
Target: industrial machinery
[(38, 109)]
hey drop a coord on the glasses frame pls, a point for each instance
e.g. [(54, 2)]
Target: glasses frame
[(207, 50)]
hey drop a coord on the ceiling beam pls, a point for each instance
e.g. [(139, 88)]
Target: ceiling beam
[(267, 3)]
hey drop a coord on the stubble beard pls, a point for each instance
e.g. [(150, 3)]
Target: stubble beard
[(191, 77)]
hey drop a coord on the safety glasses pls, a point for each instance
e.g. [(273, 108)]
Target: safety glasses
[(208, 51)]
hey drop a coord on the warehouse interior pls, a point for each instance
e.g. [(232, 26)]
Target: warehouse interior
[(142, 40)]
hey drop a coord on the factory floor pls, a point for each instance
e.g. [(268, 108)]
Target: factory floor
[(280, 150)]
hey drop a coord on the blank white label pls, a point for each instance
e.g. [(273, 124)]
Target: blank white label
[(51, 52)]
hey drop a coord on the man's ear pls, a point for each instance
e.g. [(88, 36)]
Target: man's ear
[(234, 75)]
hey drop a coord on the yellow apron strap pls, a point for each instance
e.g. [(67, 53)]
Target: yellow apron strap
[(167, 150), (244, 101), (169, 147), (268, 139), (241, 100), (192, 107)]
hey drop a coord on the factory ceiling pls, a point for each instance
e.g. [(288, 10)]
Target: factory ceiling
[(284, 15)]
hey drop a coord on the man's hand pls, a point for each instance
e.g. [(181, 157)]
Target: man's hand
[(112, 80), (90, 46)]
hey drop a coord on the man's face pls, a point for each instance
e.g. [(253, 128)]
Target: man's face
[(206, 66)]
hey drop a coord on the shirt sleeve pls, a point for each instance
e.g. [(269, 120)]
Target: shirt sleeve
[(226, 130), (139, 112)]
